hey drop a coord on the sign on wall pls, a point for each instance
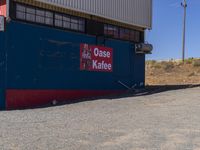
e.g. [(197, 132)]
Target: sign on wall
[(2, 23), (96, 58)]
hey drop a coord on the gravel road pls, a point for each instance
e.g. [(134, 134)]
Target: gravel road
[(168, 120)]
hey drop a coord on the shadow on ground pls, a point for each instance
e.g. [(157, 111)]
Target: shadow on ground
[(152, 89), (149, 90)]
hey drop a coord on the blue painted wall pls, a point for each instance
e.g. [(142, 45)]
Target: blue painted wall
[(46, 58), (2, 70)]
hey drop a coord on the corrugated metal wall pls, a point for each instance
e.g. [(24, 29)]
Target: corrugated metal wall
[(133, 12), (2, 70)]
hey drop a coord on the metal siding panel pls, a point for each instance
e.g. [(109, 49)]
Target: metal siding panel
[(133, 12), (2, 70), (34, 69)]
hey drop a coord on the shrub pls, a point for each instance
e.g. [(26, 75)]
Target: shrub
[(151, 62), (157, 65), (167, 66), (189, 60), (196, 63), (191, 74)]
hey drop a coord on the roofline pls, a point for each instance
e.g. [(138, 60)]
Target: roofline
[(85, 14), (110, 18)]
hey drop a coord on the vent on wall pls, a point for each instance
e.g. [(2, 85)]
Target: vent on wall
[(143, 48)]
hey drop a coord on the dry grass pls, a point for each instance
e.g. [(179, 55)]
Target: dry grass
[(196, 63), (173, 72)]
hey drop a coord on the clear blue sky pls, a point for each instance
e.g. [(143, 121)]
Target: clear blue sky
[(166, 35)]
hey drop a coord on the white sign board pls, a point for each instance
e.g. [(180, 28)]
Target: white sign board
[(2, 23)]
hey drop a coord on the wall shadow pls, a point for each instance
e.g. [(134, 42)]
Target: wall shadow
[(149, 90)]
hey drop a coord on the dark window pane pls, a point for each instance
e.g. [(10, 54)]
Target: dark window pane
[(30, 17), (49, 21), (49, 14), (30, 14), (40, 12), (58, 16), (116, 32), (66, 18), (66, 24), (81, 25), (74, 26), (81, 28), (20, 8), (141, 36), (124, 34), (110, 30), (137, 36), (30, 10), (81, 21), (58, 23), (127, 34), (74, 20), (105, 29), (132, 35), (40, 19), (20, 15)]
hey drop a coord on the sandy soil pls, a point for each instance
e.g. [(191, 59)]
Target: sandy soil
[(156, 120), (172, 73)]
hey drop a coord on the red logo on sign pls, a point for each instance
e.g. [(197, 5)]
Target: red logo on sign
[(96, 58), (3, 8)]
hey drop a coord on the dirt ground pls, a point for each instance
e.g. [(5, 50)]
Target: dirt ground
[(173, 72), (167, 120)]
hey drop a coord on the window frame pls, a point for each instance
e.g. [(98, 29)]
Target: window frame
[(139, 39), (47, 20), (67, 25)]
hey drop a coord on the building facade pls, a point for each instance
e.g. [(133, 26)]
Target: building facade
[(70, 49)]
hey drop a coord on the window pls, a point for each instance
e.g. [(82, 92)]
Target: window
[(124, 34), (111, 31), (66, 22), (116, 32), (58, 20), (74, 24), (81, 25), (105, 29), (69, 22), (21, 12), (30, 14), (40, 17), (137, 36), (132, 35), (46, 17)]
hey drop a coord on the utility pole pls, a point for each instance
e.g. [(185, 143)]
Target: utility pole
[(184, 5)]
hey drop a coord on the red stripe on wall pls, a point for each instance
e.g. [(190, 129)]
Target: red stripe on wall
[(3, 8), (18, 99)]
